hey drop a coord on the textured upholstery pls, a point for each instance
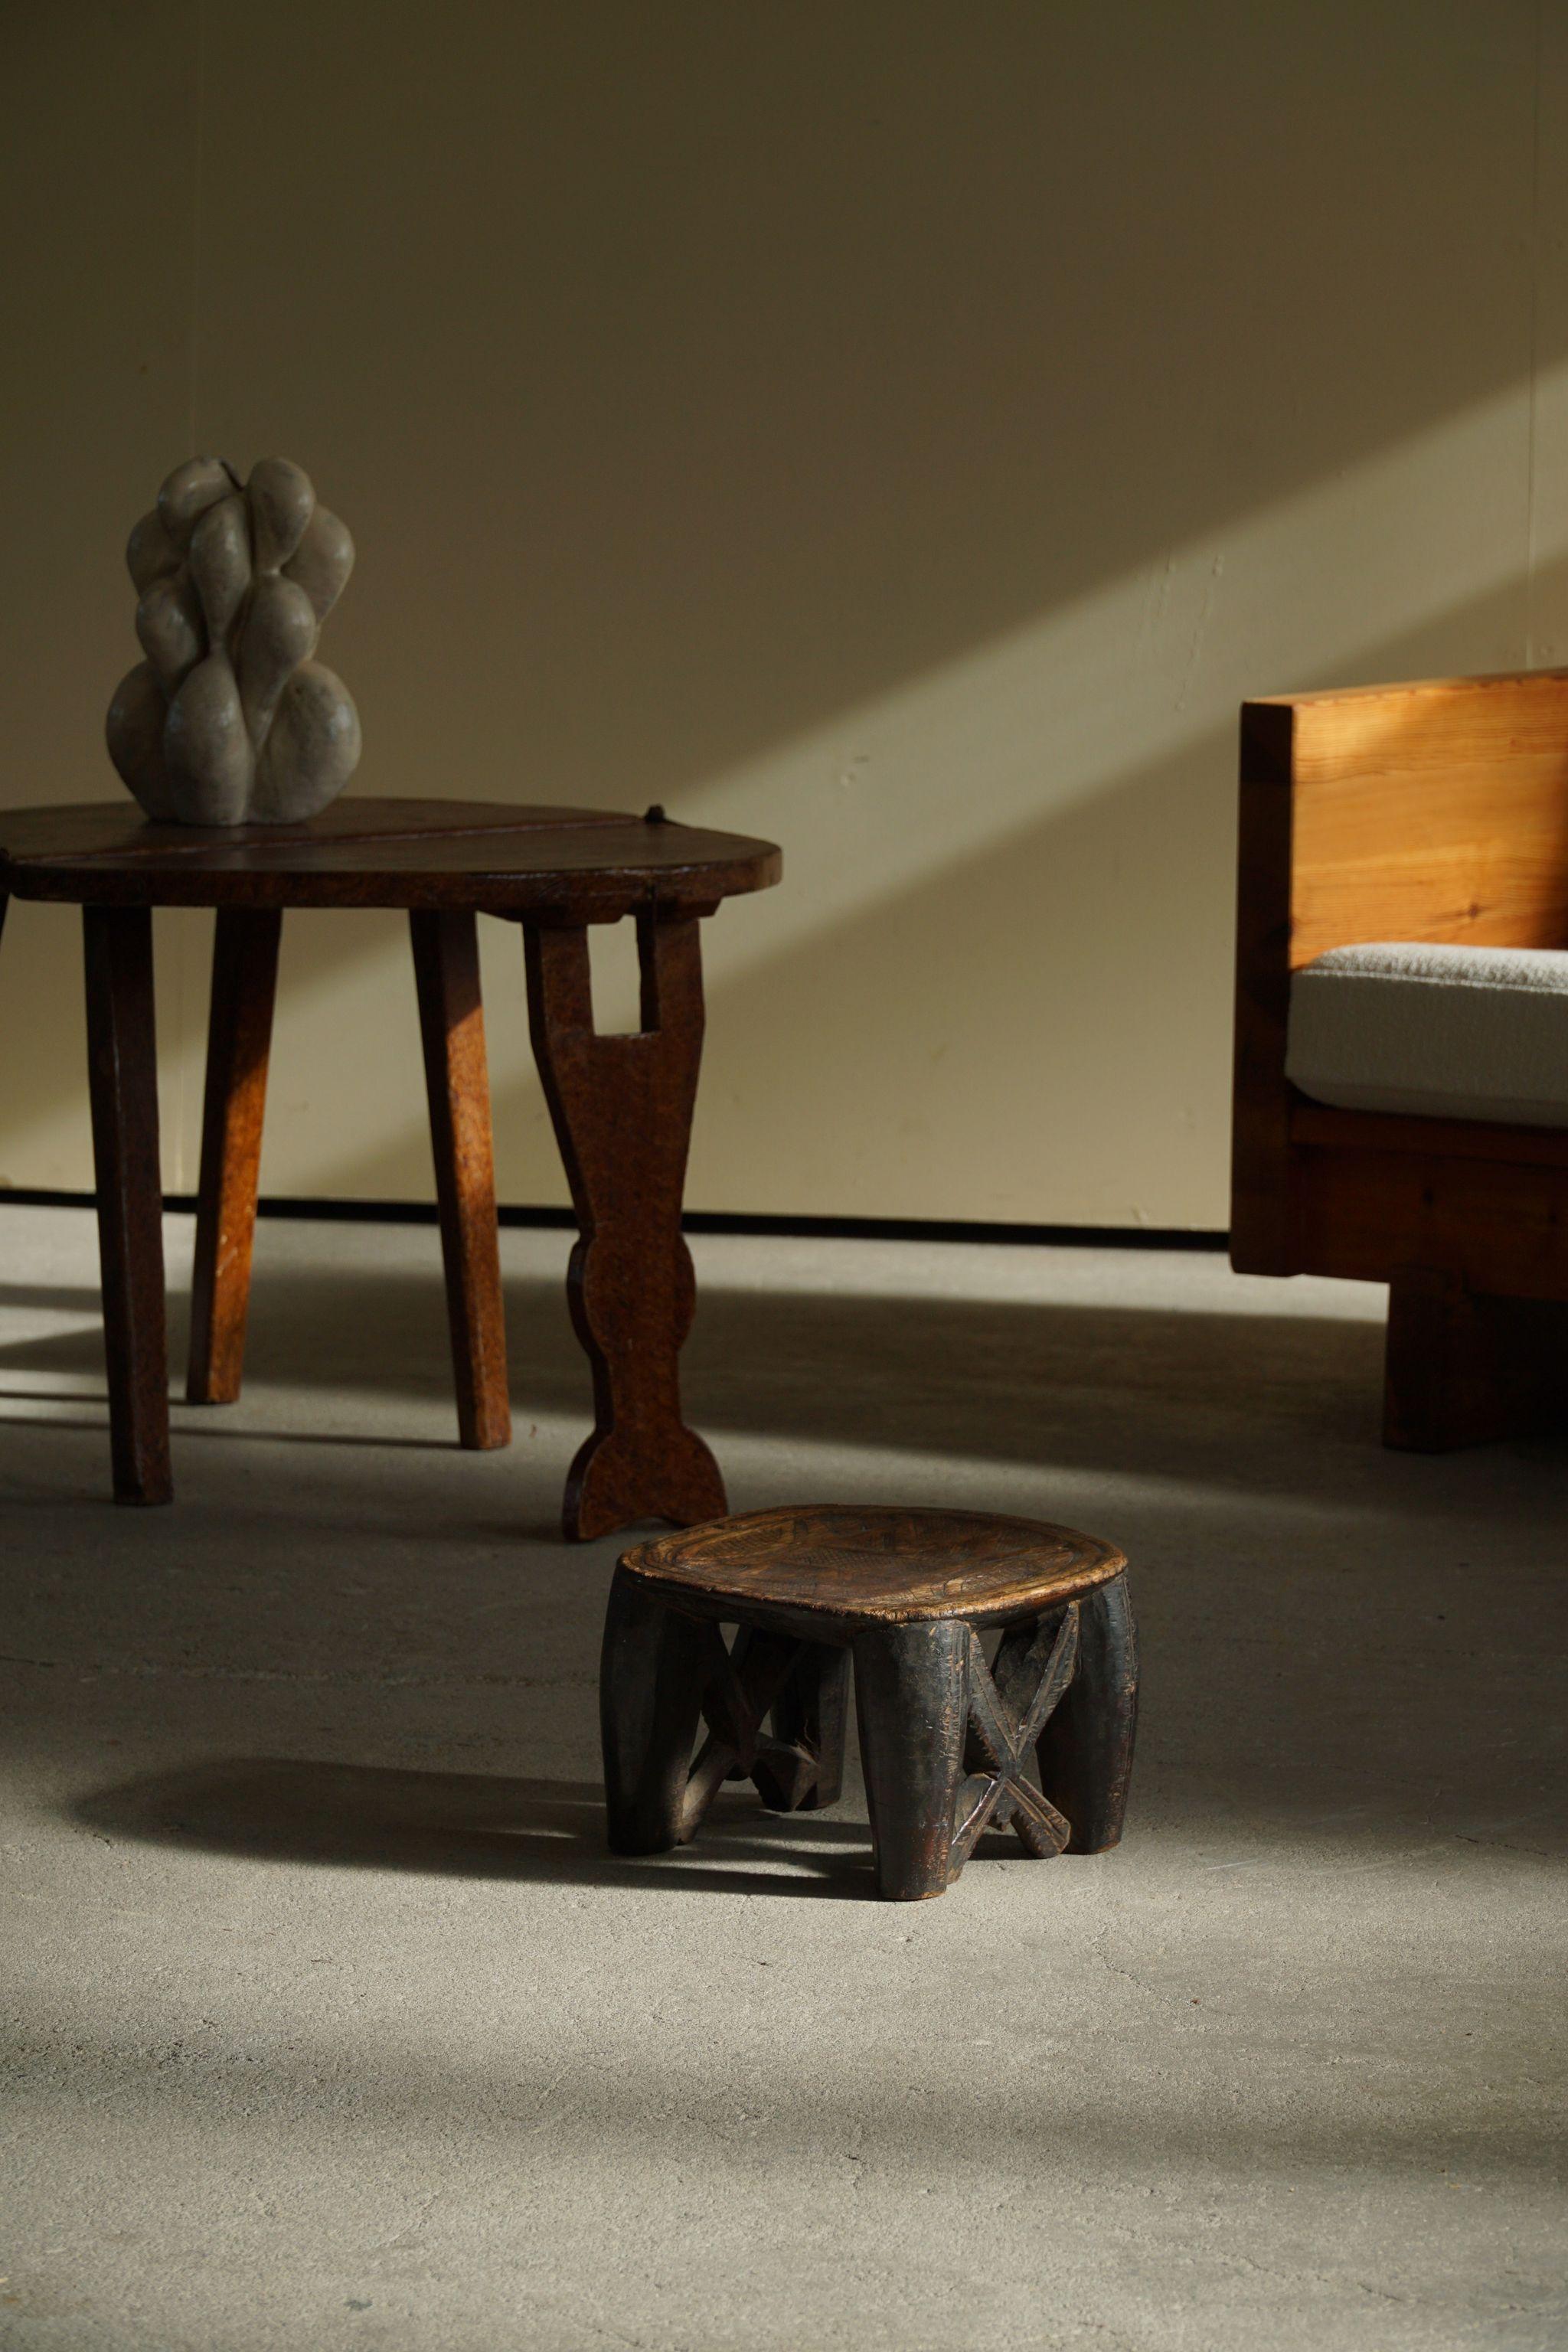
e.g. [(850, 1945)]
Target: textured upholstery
[(1439, 1032)]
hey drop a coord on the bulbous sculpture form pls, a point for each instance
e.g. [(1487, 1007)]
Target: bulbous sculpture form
[(229, 720)]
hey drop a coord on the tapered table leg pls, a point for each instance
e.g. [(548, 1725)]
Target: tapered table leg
[(239, 1038), (457, 1079), (622, 1110), (122, 1077)]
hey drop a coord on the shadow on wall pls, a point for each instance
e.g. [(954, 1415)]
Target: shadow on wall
[(688, 375), (801, 349), (691, 377), (1005, 981)]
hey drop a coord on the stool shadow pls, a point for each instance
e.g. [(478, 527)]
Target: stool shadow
[(465, 1825)]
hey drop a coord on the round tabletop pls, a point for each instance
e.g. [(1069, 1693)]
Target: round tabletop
[(591, 865), (849, 1561)]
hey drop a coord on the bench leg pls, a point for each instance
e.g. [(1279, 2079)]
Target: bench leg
[(1463, 1368), (239, 1038), (122, 1082), (1085, 1749), (622, 1111), (912, 1698), (457, 1079)]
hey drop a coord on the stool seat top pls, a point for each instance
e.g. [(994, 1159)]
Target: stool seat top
[(854, 1562), (498, 857)]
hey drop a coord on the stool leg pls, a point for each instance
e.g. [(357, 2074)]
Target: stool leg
[(650, 1694), (1086, 1746), (457, 1079), (912, 1698), (239, 1039), (123, 1084), (810, 1717)]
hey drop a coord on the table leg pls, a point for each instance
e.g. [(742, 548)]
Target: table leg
[(622, 1110), (122, 1077), (239, 1037), (456, 1078)]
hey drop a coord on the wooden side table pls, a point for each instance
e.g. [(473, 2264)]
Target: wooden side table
[(1038, 1740), (621, 1106)]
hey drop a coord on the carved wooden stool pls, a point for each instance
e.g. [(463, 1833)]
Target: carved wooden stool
[(1040, 1740)]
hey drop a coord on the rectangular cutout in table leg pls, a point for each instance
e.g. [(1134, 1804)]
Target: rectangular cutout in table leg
[(615, 966)]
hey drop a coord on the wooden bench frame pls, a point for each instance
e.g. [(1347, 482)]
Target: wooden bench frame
[(1434, 811)]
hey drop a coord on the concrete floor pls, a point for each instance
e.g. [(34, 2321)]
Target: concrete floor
[(329, 2023)]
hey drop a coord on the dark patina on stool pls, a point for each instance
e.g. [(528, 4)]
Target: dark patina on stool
[(1040, 1739)]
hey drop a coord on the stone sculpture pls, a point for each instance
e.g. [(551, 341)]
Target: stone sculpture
[(229, 720)]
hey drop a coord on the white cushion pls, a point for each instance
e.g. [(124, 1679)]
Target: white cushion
[(1442, 1032)]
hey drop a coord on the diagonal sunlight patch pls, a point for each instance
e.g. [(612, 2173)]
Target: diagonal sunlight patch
[(1135, 672), (883, 798)]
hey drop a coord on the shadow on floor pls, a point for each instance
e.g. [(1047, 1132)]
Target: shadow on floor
[(1144, 1388), (466, 1826), (1322, 1633), (228, 1428), (39, 1298)]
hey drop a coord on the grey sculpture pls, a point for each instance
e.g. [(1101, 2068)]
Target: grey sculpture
[(229, 720)]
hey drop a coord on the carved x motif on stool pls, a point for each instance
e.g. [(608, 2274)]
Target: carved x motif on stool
[(1007, 1709), (740, 1688)]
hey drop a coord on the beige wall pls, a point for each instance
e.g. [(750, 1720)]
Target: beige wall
[(904, 430)]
